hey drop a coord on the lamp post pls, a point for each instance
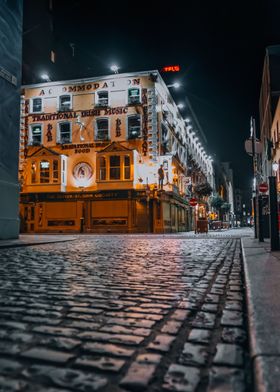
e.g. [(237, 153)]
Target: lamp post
[(274, 230)]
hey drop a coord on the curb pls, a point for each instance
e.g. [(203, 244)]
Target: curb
[(262, 277), (35, 243)]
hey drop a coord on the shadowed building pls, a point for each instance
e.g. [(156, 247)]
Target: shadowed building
[(10, 82)]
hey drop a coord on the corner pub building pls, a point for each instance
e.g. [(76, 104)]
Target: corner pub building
[(90, 150)]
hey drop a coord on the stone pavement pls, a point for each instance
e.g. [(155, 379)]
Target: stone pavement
[(124, 313)]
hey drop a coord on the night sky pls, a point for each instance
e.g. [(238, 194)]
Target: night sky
[(219, 46)]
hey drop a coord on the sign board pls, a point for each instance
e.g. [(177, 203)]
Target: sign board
[(263, 187), (193, 202), (171, 68), (249, 146), (8, 76)]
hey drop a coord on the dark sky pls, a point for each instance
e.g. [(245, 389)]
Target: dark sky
[(219, 46)]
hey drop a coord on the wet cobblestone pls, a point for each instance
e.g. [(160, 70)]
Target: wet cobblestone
[(123, 313)]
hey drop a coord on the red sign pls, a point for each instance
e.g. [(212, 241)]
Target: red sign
[(263, 187), (171, 68), (193, 202)]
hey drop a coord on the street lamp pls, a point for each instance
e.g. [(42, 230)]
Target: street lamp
[(175, 85), (180, 105), (45, 77), (114, 68)]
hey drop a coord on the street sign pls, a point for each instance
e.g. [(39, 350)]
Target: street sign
[(263, 187), (193, 202), (249, 146)]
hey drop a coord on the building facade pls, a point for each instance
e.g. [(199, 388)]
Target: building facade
[(92, 152), (10, 84)]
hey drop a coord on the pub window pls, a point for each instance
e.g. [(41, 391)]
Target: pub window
[(102, 168), (63, 176), (36, 134), (115, 167), (33, 172), (44, 172), (36, 105), (102, 129), (65, 103), (127, 167), (133, 95), (134, 126), (64, 132), (55, 170), (102, 98)]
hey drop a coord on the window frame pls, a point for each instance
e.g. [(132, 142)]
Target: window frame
[(140, 126), (35, 170), (96, 129), (140, 96), (58, 132), (59, 104), (32, 105), (122, 167), (96, 98), (31, 142)]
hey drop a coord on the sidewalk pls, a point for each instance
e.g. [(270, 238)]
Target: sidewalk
[(262, 276), (35, 239)]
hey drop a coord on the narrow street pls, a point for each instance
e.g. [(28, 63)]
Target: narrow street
[(124, 313)]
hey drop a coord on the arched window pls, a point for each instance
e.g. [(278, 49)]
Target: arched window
[(44, 172), (33, 172), (127, 167), (102, 168)]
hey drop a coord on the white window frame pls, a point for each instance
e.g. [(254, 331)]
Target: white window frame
[(30, 139), (96, 129), (58, 134), (96, 97), (140, 95), (63, 170), (32, 105), (58, 102), (127, 134)]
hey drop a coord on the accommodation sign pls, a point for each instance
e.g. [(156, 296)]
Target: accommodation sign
[(82, 113)]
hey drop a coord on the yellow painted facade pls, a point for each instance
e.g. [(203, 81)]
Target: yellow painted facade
[(90, 151)]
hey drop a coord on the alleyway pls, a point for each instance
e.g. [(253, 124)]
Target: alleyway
[(124, 313)]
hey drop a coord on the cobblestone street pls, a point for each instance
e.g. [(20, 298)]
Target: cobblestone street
[(124, 313)]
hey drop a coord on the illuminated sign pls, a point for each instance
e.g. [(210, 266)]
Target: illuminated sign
[(171, 68)]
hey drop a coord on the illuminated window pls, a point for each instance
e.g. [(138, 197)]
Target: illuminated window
[(65, 103), (134, 126), (102, 129), (115, 167), (33, 172), (64, 133), (36, 134), (102, 168), (102, 98), (55, 170), (127, 167), (36, 105), (44, 172), (133, 96)]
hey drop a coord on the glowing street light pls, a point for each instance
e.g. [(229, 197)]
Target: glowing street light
[(187, 120), (45, 77), (114, 68), (180, 105), (175, 85)]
